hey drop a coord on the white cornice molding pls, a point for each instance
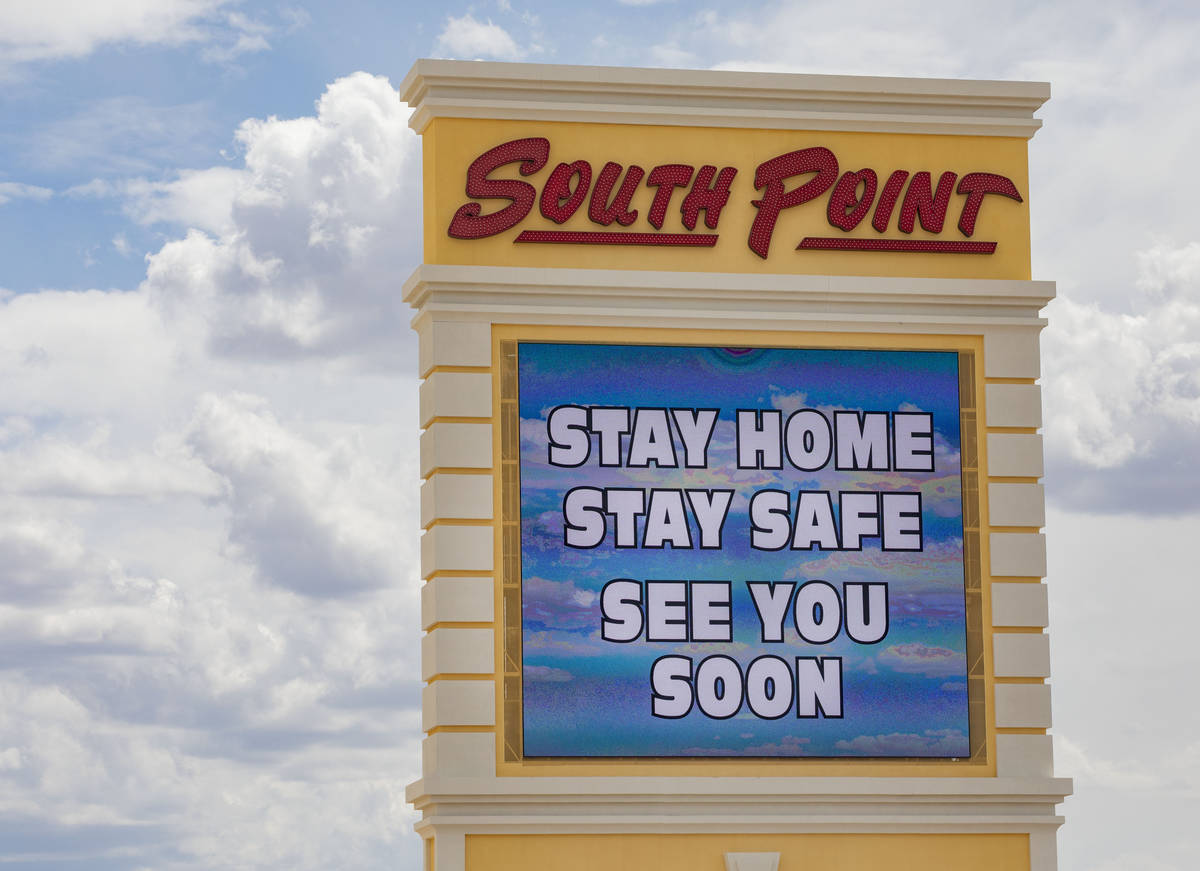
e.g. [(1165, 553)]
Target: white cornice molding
[(810, 789), (720, 300), (784, 101), (733, 803)]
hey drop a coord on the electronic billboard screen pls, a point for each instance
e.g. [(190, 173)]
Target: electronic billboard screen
[(741, 552)]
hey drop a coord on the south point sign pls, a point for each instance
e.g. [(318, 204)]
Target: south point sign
[(616, 196), (731, 521)]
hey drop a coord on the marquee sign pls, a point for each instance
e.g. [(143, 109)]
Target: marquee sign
[(731, 519), (741, 552), (551, 194)]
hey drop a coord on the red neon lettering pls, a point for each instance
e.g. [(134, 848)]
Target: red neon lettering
[(851, 196), (846, 207), (603, 211), (769, 178), (922, 203), (619, 237), (666, 178), (559, 201), (467, 222), (707, 197), (887, 199), (910, 246), (977, 185)]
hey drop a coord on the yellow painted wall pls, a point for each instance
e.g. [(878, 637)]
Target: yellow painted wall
[(451, 144), (706, 852)]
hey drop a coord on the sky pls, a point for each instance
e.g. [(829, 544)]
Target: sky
[(208, 480)]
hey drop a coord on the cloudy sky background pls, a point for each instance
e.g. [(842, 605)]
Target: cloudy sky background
[(208, 576)]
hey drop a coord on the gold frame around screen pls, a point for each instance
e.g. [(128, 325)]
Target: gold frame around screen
[(509, 502)]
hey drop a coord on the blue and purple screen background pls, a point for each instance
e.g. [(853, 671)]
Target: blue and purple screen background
[(905, 696)]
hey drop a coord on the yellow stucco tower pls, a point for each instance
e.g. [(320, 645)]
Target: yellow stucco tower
[(711, 359)]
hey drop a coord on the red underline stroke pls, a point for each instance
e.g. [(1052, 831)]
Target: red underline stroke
[(618, 237), (911, 246)]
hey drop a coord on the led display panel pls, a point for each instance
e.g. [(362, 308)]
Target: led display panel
[(741, 552)]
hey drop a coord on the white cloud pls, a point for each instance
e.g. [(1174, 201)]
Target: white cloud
[(323, 231), (317, 521), (52, 29), (1123, 774), (917, 658), (1125, 717), (467, 37), (1122, 392), (669, 54), (787, 402), (249, 36), (202, 199), (822, 32), (232, 725), (52, 465), (547, 674), (942, 743), (88, 352), (39, 558), (14, 190), (171, 695), (1138, 860)]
